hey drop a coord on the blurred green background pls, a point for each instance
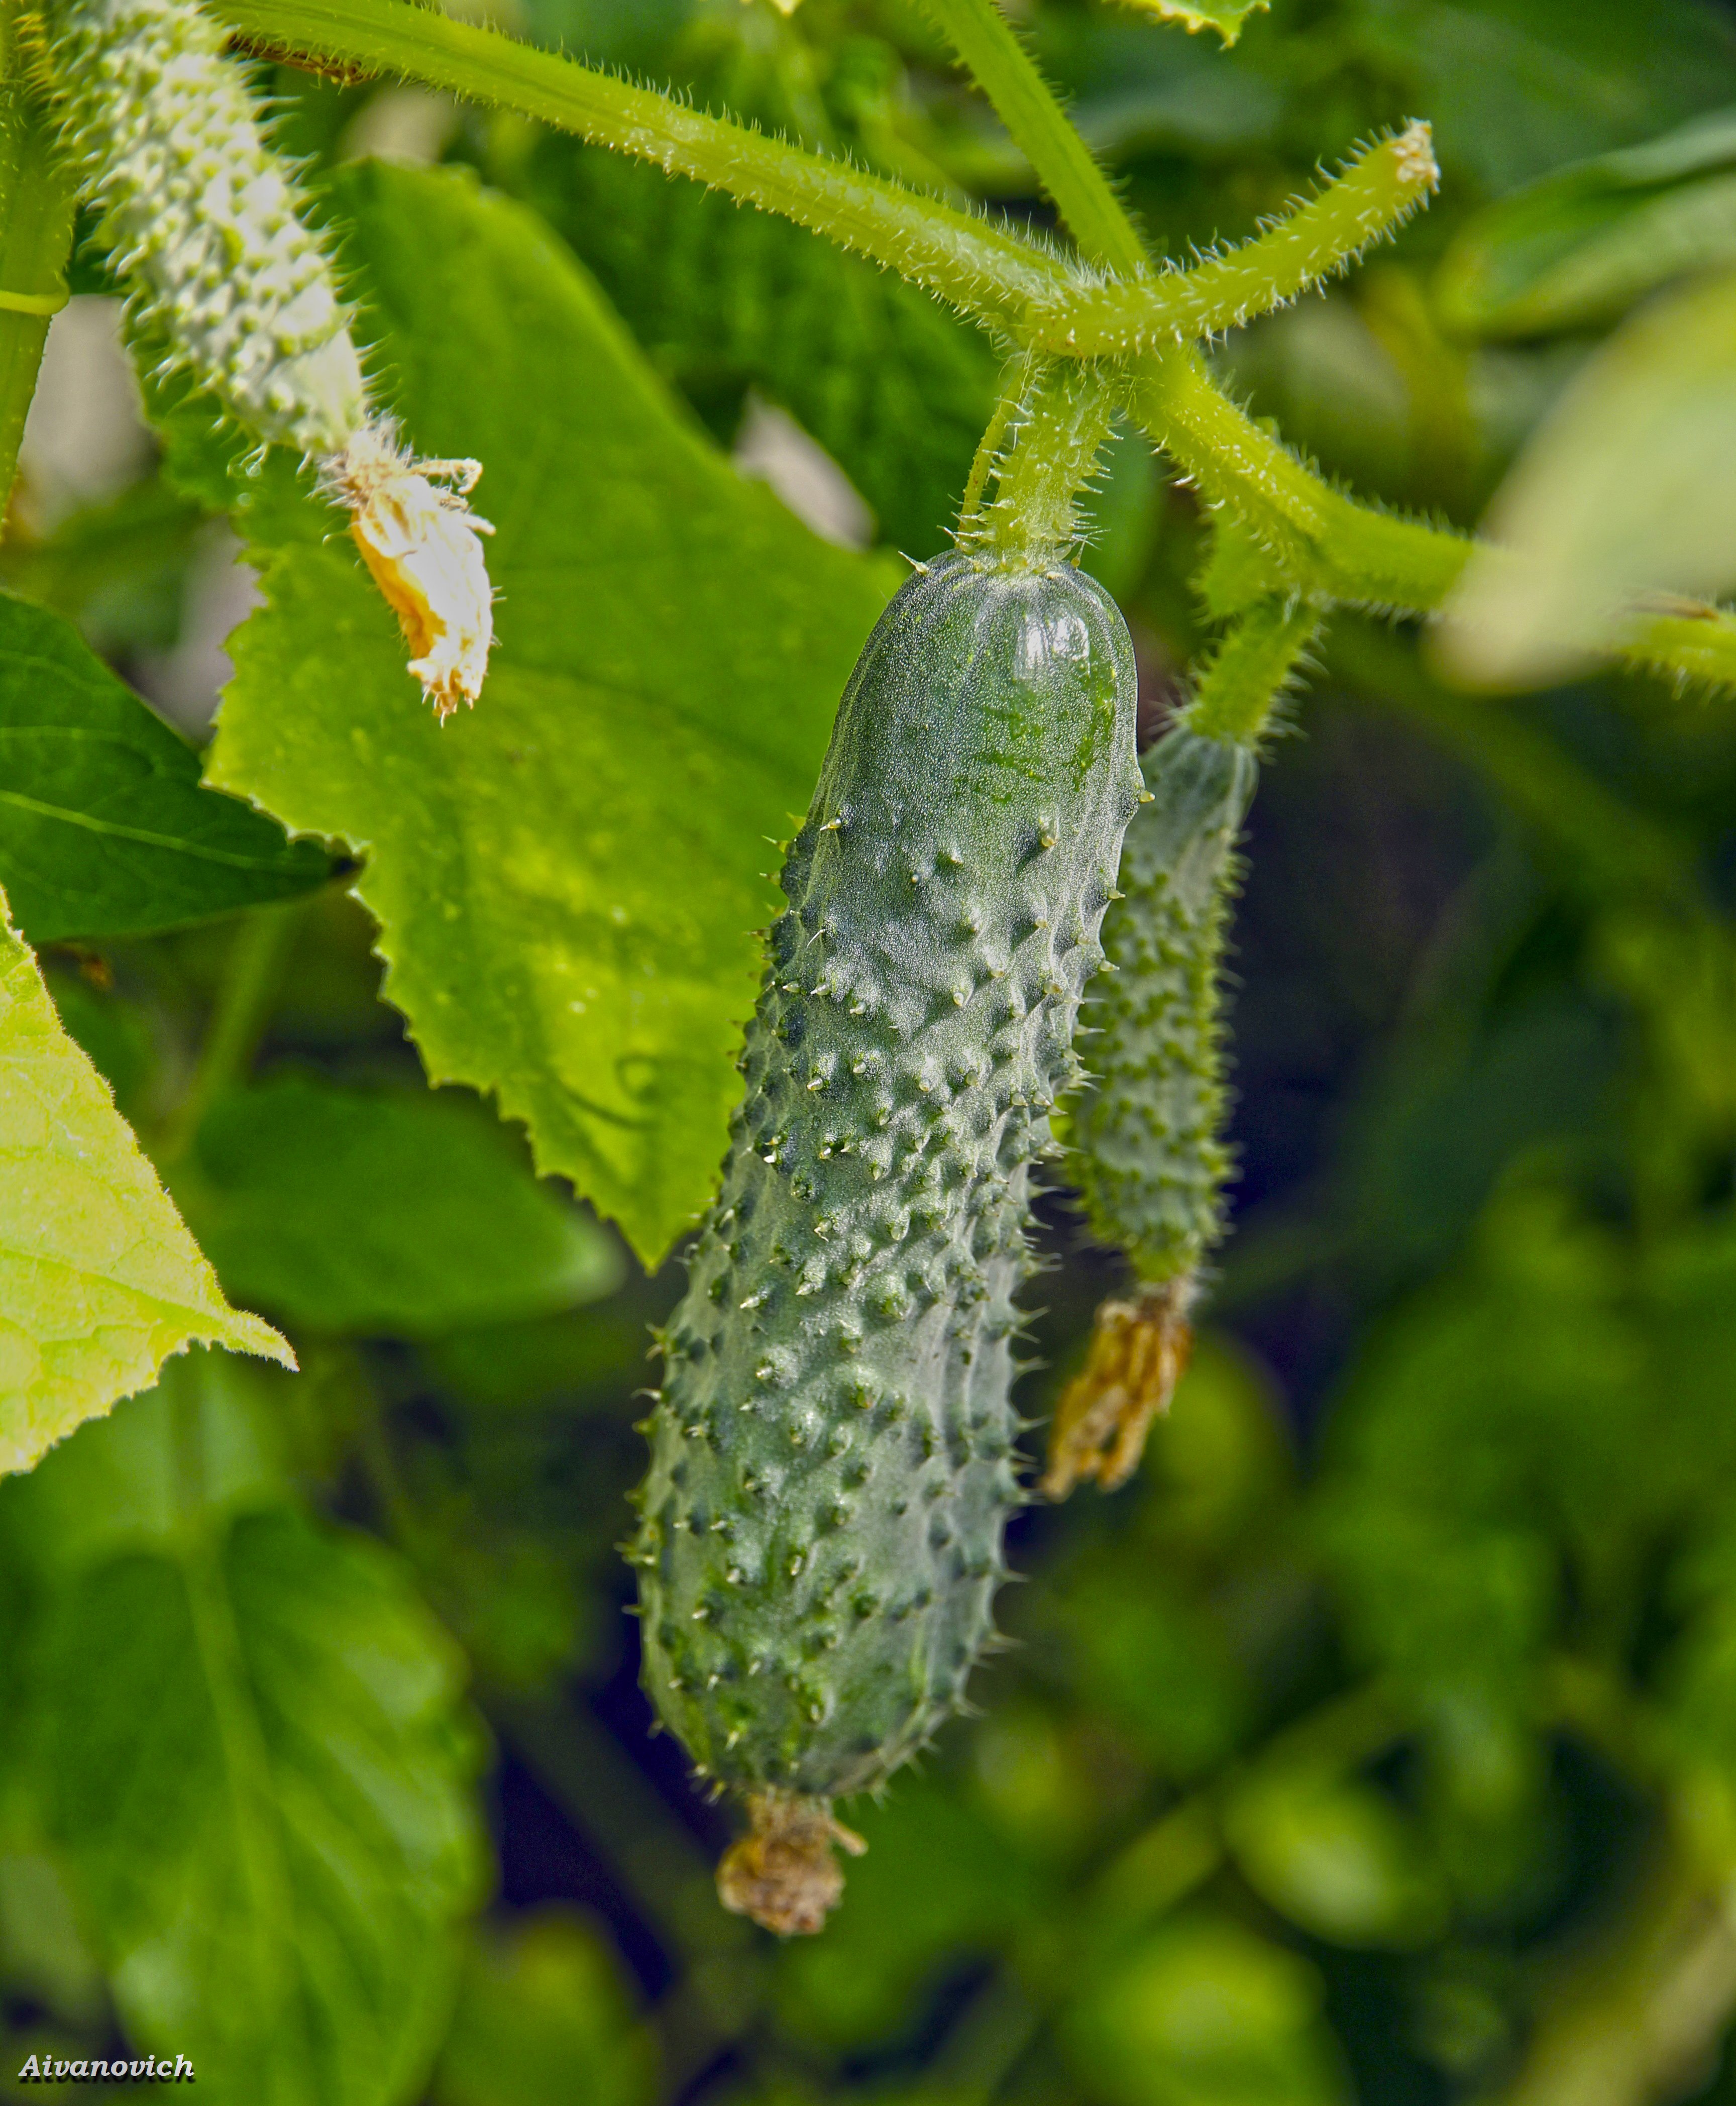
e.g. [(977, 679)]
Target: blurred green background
[(1378, 1744)]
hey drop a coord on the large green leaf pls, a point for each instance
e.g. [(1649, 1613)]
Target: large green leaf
[(251, 1757), (568, 882), (1584, 242), (1628, 490), (104, 830), (99, 1279), (382, 1211)]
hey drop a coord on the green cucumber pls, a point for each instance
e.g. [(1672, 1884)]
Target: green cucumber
[(833, 1448), (1146, 1146), (205, 217)]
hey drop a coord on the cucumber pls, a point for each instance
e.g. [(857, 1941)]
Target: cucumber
[(833, 1448), (1146, 1148), (236, 291), (205, 217)]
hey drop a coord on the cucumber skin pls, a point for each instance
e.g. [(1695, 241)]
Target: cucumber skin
[(1145, 1144), (833, 1459)]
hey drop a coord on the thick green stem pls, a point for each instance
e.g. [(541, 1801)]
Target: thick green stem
[(1379, 190), (1006, 73), (36, 225), (1052, 443), (1250, 670), (1696, 645), (1318, 541), (1015, 383), (254, 969), (996, 276)]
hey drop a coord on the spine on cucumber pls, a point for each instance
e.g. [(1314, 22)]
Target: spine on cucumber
[(833, 1461)]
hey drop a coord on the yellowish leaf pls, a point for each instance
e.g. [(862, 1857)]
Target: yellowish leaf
[(99, 1281), (1226, 16)]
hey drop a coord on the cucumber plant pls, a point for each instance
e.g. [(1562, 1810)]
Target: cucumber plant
[(833, 1442)]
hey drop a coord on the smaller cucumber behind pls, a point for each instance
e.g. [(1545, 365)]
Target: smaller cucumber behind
[(1146, 1141)]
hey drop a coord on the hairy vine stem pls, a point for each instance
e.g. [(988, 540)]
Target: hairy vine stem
[(1317, 541), (1004, 70), (1041, 445), (998, 276), (1250, 670)]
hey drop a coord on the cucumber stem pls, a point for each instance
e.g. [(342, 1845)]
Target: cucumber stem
[(1380, 190), (1319, 541), (1052, 440), (1322, 543), (1250, 671)]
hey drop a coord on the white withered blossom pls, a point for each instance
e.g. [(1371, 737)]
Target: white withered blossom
[(207, 221)]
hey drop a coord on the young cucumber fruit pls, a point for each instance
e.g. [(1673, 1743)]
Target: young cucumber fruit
[(205, 216), (1147, 1147), (229, 286), (1146, 1142), (832, 1457)]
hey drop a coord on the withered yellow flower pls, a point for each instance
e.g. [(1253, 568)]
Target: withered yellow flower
[(422, 547)]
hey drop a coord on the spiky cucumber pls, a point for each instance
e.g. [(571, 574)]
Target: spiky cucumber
[(205, 217), (231, 287), (1149, 1151), (1145, 1145), (833, 1448)]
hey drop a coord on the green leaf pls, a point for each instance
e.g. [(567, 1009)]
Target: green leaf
[(384, 1212), (567, 881), (251, 1763), (1628, 490), (99, 1279), (538, 2004), (1513, 88), (103, 828), (1582, 245), (1227, 17)]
